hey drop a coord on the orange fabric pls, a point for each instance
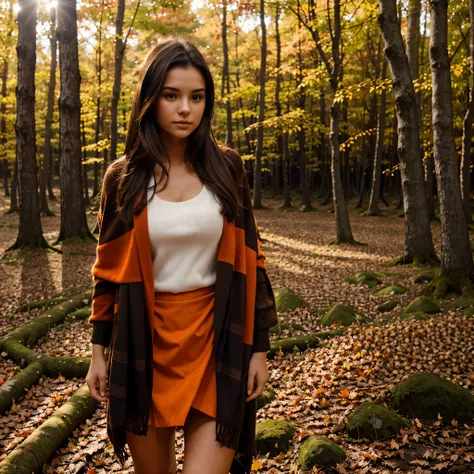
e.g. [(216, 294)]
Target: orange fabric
[(183, 356)]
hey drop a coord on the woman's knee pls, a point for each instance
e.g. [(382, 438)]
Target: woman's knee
[(155, 452)]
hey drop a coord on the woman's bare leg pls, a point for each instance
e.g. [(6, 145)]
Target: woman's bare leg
[(155, 452), (202, 453)]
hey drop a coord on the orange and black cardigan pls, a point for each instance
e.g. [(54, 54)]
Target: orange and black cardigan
[(123, 297)]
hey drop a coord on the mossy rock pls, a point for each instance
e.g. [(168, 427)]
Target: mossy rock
[(287, 300), (373, 421), (273, 436), (284, 325), (395, 289), (418, 315), (321, 311), (423, 304), (83, 313), (364, 277), (321, 452), (424, 278), (344, 315), (388, 305), (469, 312), (460, 303), (424, 395), (267, 396)]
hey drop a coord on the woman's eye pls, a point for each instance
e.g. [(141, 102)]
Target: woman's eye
[(196, 97)]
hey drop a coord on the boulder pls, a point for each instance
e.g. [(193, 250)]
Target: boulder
[(423, 304), (424, 395), (388, 305), (344, 315), (364, 277), (320, 452), (374, 422), (273, 436), (391, 290), (287, 300)]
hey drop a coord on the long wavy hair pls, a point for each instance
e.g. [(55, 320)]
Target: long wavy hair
[(144, 148)]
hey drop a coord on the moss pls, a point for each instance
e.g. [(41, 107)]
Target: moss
[(267, 396), (273, 436), (285, 326), (374, 421), (287, 300), (423, 304), (388, 305), (424, 395), (424, 277), (321, 452), (364, 278), (460, 303), (344, 315), (391, 290), (418, 315)]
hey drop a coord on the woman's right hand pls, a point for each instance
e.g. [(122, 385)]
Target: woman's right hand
[(97, 376)]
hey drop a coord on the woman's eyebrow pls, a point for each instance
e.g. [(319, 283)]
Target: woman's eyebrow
[(176, 89)]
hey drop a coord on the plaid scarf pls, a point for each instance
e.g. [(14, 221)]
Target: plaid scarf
[(244, 311)]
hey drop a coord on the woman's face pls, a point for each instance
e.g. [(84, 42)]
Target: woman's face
[(182, 98)]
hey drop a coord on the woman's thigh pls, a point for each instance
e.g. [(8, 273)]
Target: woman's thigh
[(155, 452), (202, 453)]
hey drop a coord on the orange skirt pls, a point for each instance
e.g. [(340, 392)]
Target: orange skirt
[(183, 356)]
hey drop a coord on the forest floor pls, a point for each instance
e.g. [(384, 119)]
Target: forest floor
[(315, 389)]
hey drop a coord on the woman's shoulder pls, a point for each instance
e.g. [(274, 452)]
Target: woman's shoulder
[(234, 158), (112, 174)]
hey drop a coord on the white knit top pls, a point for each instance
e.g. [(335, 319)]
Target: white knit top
[(184, 239)]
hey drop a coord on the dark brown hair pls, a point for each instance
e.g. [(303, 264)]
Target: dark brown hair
[(144, 149)]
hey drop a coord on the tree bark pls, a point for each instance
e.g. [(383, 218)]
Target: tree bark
[(119, 54), (47, 152), (377, 170), (467, 129), (30, 233), (73, 215), (456, 257), (225, 76), (418, 238), (257, 190)]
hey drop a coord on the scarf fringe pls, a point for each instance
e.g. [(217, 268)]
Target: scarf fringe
[(137, 424), (227, 434)]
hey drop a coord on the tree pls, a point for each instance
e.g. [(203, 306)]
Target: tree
[(30, 233), (257, 189), (418, 238), (456, 257), (467, 128), (47, 152), (73, 215)]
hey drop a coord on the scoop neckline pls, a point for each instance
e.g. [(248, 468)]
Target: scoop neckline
[(182, 202)]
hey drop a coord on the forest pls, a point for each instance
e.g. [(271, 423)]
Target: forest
[(354, 121)]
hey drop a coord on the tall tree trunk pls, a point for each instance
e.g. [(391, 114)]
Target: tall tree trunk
[(257, 191), (119, 54), (3, 107), (467, 129), (226, 76), (418, 238), (30, 233), (14, 191), (73, 215), (456, 257), (377, 169), (98, 70), (44, 208)]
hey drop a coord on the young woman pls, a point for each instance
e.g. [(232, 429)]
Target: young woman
[(178, 248)]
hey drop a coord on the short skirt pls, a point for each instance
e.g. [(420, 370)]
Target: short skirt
[(183, 356)]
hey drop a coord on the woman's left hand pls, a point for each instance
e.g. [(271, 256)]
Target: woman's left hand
[(258, 375)]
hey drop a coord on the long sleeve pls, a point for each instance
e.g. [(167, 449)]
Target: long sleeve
[(265, 306), (104, 291)]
